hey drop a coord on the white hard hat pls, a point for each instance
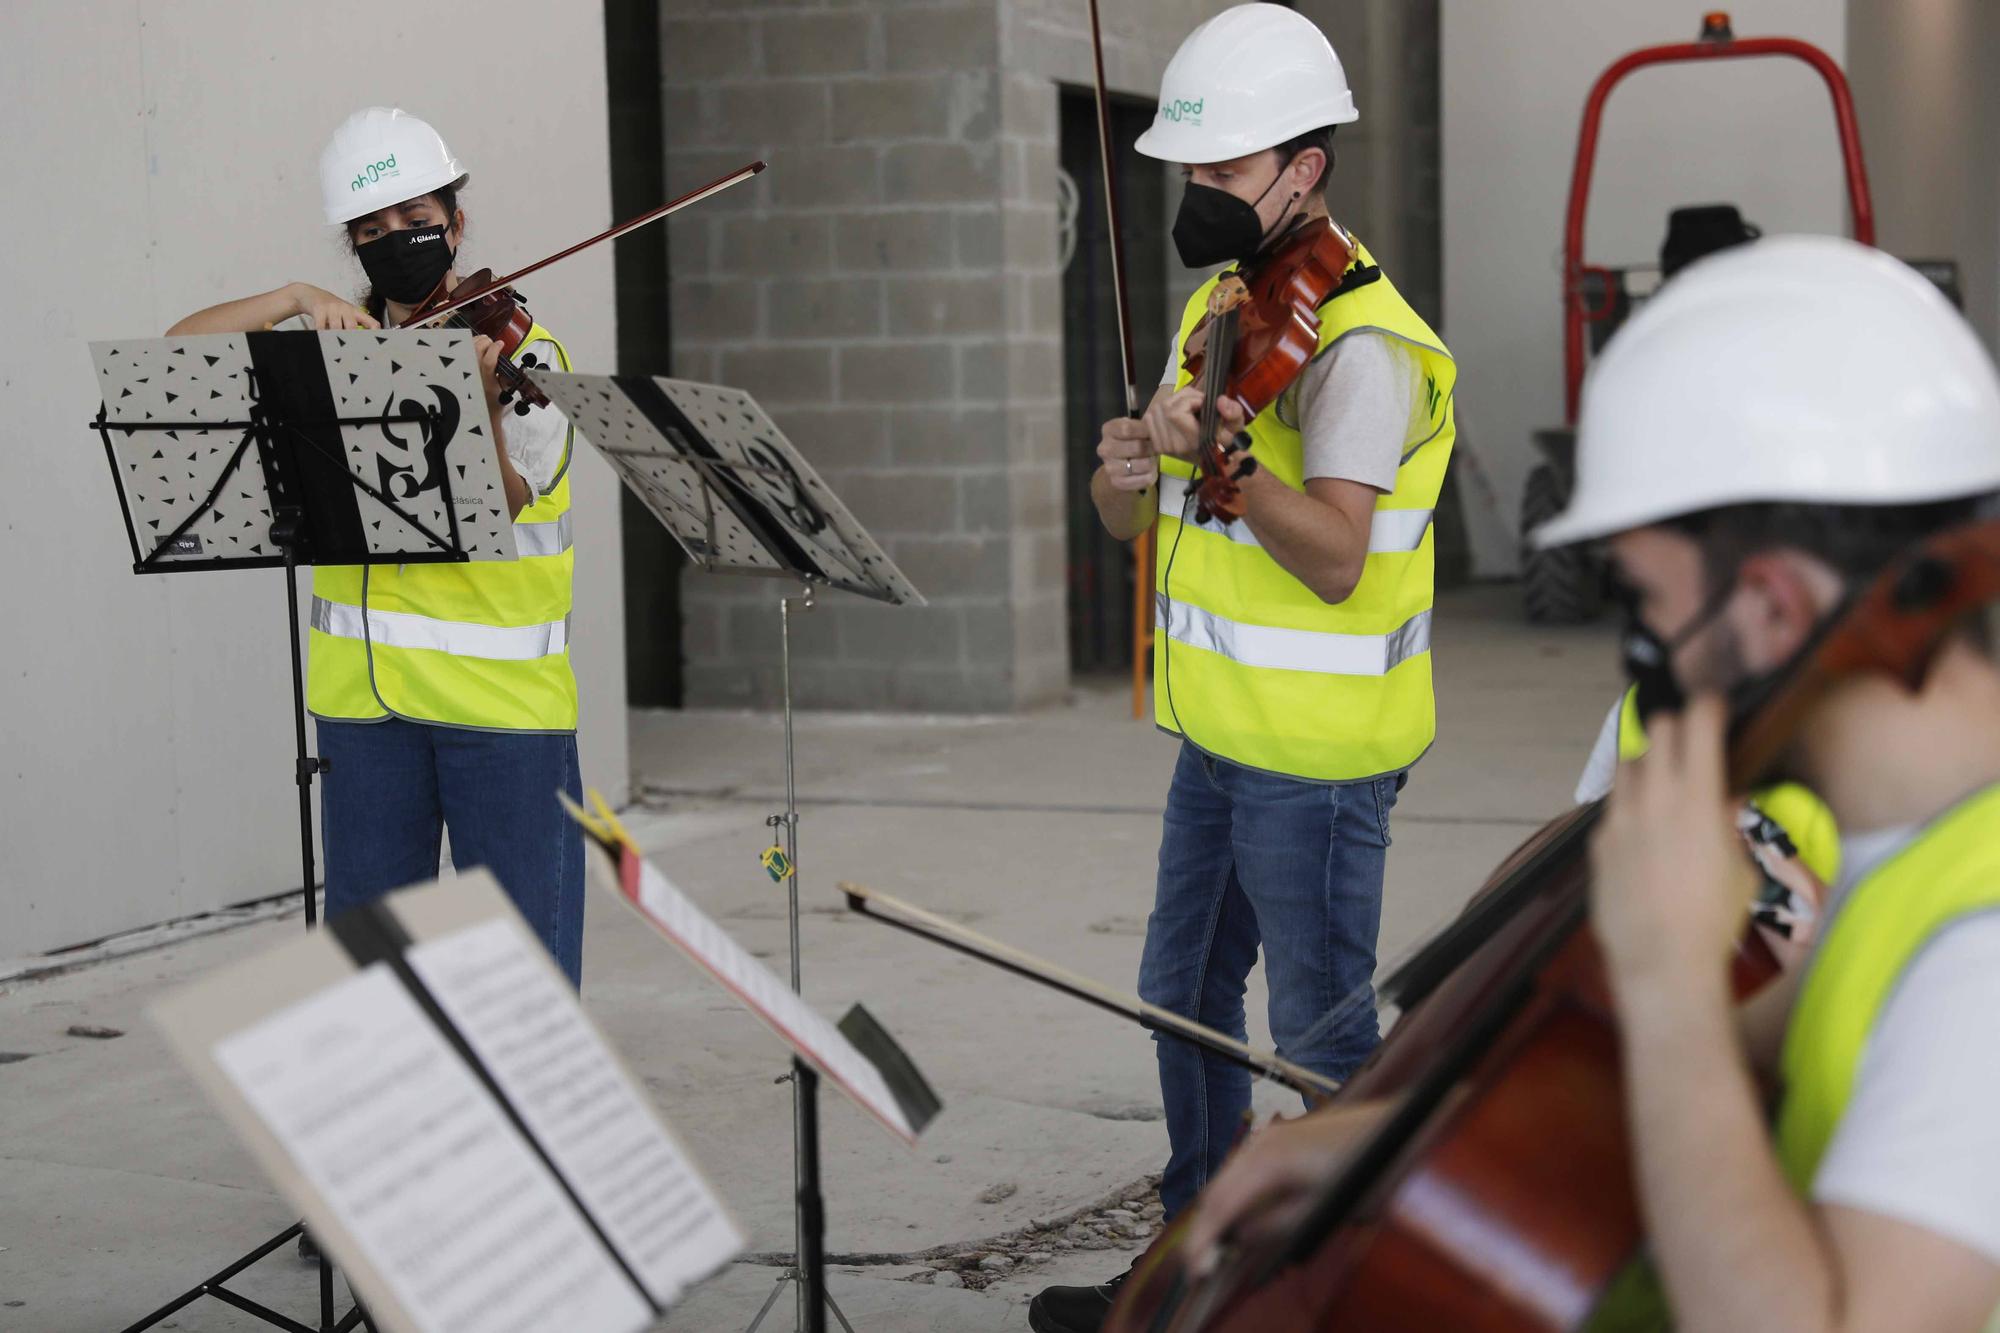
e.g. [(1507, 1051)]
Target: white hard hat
[(1802, 368), (1249, 79), (382, 155)]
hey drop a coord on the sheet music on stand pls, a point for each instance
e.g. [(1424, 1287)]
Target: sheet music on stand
[(420, 1081), (857, 1053), (380, 438), (722, 478)]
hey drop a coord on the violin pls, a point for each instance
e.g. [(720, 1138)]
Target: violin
[(1496, 1191), (490, 306), (500, 314), (1260, 331)]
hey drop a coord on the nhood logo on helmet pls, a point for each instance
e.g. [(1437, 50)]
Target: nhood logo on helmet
[(1182, 111), (374, 172)]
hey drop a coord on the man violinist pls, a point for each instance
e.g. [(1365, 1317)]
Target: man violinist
[(1292, 645), (1756, 446)]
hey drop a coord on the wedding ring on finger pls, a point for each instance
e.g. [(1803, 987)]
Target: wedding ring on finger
[(1128, 467)]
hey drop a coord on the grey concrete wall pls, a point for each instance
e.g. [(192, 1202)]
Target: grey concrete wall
[(162, 157), (1757, 134), (889, 290), (1929, 105)]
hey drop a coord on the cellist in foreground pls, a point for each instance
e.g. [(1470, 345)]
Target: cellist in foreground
[(1767, 435)]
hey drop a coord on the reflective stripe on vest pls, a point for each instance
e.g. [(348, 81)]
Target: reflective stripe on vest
[(480, 644), (1253, 666), (1388, 530), (1950, 872), (551, 538), (399, 629), (1292, 649)]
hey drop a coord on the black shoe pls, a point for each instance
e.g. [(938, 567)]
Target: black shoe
[(1074, 1309)]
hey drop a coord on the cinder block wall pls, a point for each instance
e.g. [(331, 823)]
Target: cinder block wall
[(889, 290)]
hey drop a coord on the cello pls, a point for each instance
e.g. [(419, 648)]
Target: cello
[(1496, 1192)]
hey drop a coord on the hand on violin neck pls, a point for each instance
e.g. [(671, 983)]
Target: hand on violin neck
[(519, 494), (1174, 423), (488, 352)]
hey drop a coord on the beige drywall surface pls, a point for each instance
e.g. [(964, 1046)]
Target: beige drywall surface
[(1759, 134), (161, 157)]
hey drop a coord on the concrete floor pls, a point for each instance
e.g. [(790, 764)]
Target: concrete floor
[(118, 1188)]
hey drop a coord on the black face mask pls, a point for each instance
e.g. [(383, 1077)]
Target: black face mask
[(1649, 664), (1214, 226), (406, 266), (1649, 659)]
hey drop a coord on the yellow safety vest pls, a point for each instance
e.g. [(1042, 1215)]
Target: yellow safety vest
[(1248, 663), (481, 645), (1950, 872)]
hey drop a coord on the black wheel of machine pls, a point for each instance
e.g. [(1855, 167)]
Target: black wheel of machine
[(1564, 586)]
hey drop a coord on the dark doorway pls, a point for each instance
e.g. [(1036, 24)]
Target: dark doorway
[(652, 561), (1100, 569)]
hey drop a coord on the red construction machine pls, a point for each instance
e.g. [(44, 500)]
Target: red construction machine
[(1567, 586)]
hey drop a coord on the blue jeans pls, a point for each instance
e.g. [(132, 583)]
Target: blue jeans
[(1249, 857), (395, 786)]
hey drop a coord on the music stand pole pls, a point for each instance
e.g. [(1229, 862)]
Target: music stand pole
[(285, 535), (808, 1268)]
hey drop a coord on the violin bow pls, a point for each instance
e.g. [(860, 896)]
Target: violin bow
[(1142, 549), (1119, 302), (928, 925), (465, 296)]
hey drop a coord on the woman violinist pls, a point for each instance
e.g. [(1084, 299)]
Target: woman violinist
[(443, 692)]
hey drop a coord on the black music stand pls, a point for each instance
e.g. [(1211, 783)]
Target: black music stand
[(719, 475), (276, 450)]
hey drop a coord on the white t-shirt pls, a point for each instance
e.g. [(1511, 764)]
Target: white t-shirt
[(538, 441), (1600, 770), (1353, 406), (1920, 1141)]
